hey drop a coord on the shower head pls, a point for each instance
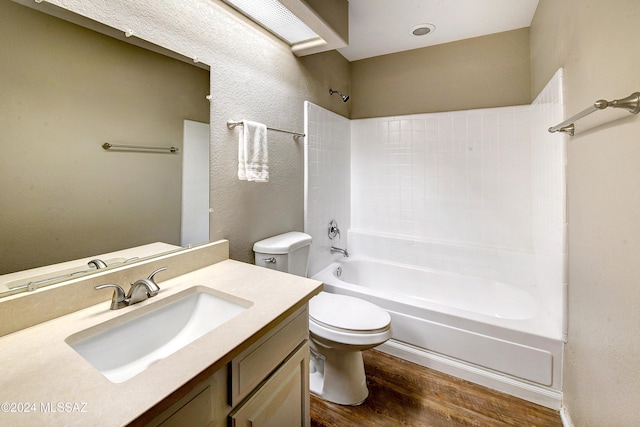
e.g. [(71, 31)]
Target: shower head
[(345, 98)]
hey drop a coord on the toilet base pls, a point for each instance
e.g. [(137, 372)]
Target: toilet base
[(338, 376)]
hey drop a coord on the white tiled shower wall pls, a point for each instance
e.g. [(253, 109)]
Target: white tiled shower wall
[(477, 192), (442, 177), (549, 158), (443, 190), (327, 182)]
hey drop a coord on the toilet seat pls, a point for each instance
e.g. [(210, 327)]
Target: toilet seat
[(348, 320), (347, 313)]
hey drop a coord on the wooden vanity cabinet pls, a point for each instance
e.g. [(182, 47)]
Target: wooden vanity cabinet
[(267, 385)]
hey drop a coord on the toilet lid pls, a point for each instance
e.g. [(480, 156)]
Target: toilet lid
[(349, 313)]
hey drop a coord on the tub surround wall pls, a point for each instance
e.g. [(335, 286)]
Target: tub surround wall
[(548, 200), (327, 183), (477, 192), (459, 181)]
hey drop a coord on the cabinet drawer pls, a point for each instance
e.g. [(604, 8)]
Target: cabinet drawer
[(254, 364)]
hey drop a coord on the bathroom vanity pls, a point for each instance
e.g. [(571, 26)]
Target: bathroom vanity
[(266, 385), (250, 370)]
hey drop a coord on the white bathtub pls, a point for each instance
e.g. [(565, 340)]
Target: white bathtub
[(491, 333)]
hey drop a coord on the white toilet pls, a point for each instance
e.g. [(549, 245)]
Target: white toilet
[(340, 326)]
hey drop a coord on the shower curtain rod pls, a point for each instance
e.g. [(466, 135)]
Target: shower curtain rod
[(631, 103), (233, 123)]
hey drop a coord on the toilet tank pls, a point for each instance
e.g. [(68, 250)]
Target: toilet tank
[(288, 252)]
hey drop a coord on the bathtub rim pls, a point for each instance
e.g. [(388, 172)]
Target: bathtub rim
[(538, 328)]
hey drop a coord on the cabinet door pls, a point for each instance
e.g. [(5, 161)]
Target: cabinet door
[(250, 368), (283, 399), (205, 405), (196, 412)]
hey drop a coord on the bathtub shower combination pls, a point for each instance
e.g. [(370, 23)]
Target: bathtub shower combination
[(455, 224)]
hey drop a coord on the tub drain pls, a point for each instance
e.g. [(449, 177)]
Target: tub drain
[(338, 272)]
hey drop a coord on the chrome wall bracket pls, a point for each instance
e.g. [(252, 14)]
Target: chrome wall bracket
[(570, 129)]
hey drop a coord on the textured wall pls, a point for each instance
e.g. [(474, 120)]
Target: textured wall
[(602, 374), (489, 71), (253, 76)]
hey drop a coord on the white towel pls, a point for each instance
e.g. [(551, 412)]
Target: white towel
[(253, 153)]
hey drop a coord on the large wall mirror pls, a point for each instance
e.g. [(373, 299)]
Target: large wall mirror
[(65, 91)]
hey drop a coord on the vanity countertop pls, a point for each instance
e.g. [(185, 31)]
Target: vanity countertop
[(45, 382)]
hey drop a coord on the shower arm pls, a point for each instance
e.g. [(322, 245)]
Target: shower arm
[(344, 97)]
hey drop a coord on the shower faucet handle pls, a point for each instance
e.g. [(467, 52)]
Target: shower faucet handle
[(333, 229)]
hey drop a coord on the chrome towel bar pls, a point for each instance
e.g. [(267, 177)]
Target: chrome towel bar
[(631, 103), (233, 123), (108, 146)]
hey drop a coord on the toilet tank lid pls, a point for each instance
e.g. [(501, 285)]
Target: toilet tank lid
[(282, 243)]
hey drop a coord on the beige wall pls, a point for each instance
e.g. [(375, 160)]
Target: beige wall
[(335, 13), (65, 91), (489, 71), (597, 43)]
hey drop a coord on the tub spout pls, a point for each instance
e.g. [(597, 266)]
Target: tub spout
[(340, 251)]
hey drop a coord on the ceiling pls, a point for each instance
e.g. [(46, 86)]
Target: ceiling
[(379, 27)]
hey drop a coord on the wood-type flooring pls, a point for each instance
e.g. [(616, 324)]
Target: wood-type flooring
[(402, 393)]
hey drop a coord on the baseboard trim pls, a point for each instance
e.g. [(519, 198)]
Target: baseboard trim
[(565, 417), (540, 395)]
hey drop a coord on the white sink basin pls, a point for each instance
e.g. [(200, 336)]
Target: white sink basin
[(123, 347)]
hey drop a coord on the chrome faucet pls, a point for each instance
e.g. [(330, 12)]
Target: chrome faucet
[(340, 251), (97, 263), (119, 299), (140, 290)]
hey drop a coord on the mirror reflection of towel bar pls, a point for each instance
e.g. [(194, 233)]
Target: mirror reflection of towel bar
[(108, 146)]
